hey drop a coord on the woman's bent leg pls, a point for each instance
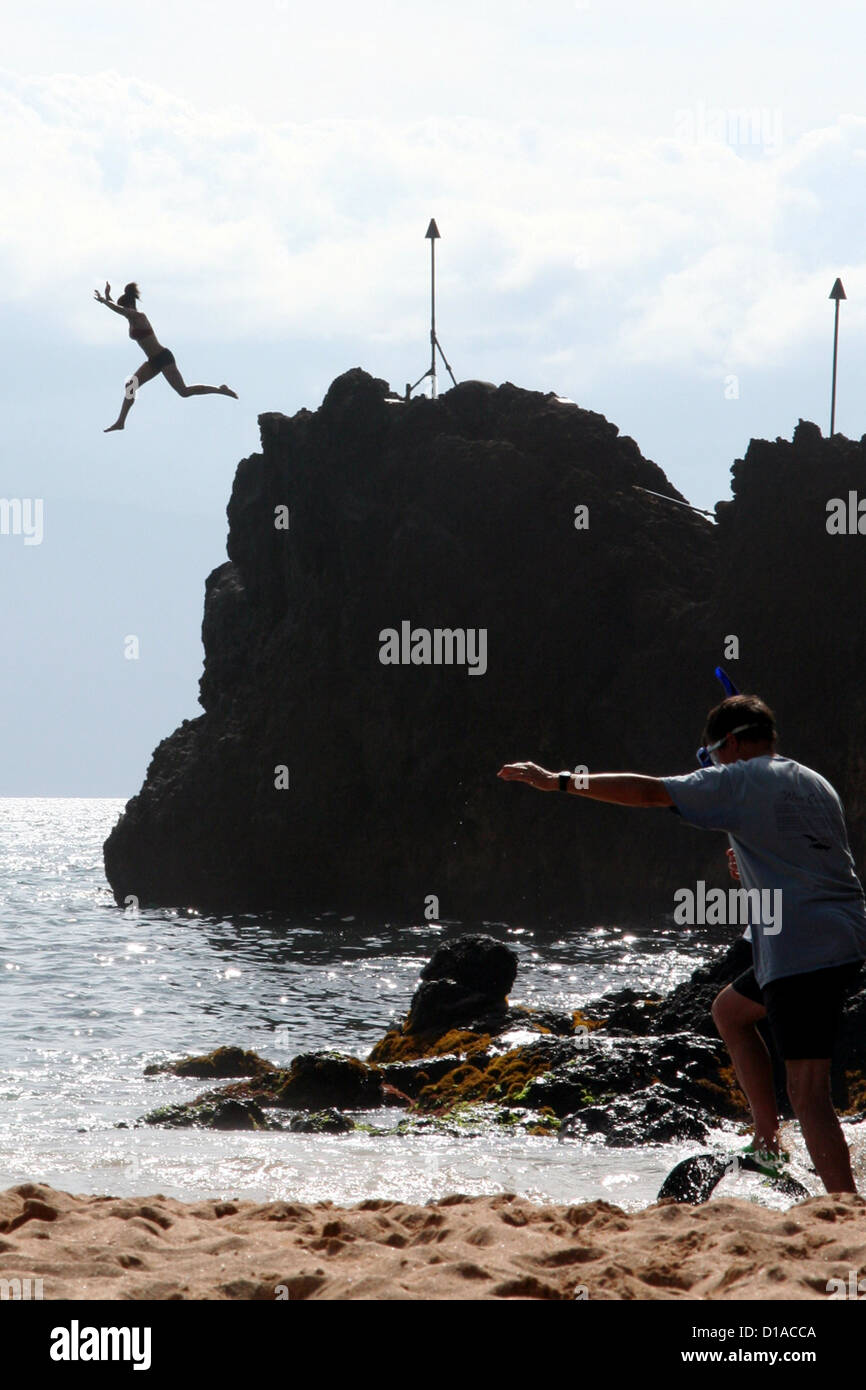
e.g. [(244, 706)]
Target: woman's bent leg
[(171, 372), (130, 391)]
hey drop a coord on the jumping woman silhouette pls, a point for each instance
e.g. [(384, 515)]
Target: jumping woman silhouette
[(159, 358)]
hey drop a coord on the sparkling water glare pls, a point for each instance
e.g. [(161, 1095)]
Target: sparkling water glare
[(90, 996)]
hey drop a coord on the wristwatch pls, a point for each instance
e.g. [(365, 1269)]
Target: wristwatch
[(564, 780)]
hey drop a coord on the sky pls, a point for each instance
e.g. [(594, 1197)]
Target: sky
[(642, 208)]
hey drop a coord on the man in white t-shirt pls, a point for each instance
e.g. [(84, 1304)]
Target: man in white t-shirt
[(789, 850)]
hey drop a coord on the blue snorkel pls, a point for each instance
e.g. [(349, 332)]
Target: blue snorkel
[(730, 689)]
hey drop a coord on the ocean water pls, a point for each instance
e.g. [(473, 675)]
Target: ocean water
[(89, 997)]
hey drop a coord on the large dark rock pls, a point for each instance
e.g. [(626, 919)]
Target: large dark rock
[(481, 964), (459, 514), (327, 1080), (597, 1070), (688, 1007), (792, 593), (440, 1004), (688, 1010), (450, 514), (465, 979), (656, 1115)]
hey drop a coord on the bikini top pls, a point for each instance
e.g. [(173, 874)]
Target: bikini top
[(139, 333)]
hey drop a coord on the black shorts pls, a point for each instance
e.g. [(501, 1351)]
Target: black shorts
[(164, 358), (803, 1011)]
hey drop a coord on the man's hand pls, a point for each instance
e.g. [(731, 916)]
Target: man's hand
[(532, 774), (732, 866)]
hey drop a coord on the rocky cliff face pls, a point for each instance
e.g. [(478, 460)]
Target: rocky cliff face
[(600, 631), (793, 591)]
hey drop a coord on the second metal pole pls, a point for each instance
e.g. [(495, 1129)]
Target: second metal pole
[(836, 293), (433, 315)]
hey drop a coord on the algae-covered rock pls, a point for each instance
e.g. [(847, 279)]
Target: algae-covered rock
[(315, 1081), (579, 1062), (400, 1046), (663, 1078), (496, 1078), (212, 1111), (322, 1122), (322, 1080), (223, 1062), (446, 1016)]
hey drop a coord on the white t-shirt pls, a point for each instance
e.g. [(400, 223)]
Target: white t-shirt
[(787, 828)]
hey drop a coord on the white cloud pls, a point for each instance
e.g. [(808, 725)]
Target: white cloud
[(648, 249)]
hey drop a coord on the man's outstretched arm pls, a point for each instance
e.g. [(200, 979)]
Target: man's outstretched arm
[(621, 788)]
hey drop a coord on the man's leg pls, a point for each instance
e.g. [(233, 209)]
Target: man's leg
[(805, 1011), (736, 1017), (809, 1089)]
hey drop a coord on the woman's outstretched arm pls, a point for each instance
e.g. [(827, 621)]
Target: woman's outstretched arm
[(107, 300)]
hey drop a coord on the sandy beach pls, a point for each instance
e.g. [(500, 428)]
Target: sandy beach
[(456, 1248)]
